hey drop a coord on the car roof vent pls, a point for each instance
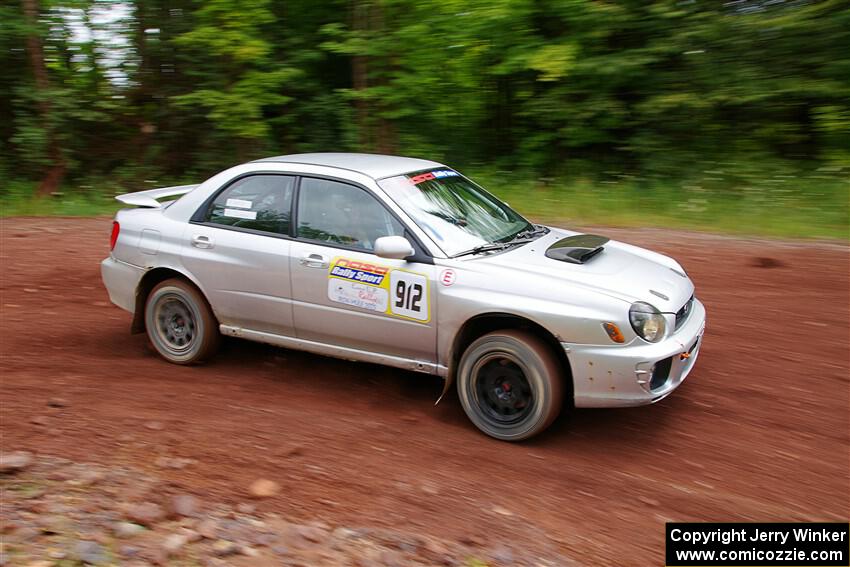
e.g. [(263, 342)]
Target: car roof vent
[(577, 249)]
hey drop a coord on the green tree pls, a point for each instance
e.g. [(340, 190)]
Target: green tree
[(656, 88), (238, 81)]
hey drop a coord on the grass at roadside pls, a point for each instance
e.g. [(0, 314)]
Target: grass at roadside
[(18, 200), (784, 206)]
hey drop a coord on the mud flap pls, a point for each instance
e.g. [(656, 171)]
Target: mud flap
[(447, 383), (138, 324)]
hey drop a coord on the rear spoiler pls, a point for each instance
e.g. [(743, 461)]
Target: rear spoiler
[(149, 198)]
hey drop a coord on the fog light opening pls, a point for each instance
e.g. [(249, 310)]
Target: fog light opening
[(660, 373)]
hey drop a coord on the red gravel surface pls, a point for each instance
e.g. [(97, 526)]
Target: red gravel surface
[(759, 431)]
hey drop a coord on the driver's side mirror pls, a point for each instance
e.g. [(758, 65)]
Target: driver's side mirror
[(393, 247)]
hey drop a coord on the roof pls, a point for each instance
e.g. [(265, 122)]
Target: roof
[(375, 166)]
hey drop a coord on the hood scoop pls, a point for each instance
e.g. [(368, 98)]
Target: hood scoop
[(577, 249)]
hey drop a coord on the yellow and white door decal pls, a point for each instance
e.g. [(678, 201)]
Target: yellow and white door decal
[(383, 289)]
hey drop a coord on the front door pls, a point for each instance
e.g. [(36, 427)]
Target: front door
[(240, 250), (345, 295)]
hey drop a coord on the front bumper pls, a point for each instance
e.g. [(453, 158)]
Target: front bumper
[(621, 376)]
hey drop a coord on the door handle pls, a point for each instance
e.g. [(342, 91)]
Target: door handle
[(202, 241), (314, 261)]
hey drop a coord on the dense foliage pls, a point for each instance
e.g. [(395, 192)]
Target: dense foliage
[(176, 89)]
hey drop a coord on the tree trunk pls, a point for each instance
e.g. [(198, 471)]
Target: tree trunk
[(56, 171), (359, 76), (386, 143)]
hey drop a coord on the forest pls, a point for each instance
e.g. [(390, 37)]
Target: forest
[(731, 115)]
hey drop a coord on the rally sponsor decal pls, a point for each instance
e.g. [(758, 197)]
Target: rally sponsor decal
[(394, 292), (445, 173), (417, 179), (358, 295), (358, 271), (437, 174)]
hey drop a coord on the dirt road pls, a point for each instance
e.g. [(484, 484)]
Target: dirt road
[(759, 431)]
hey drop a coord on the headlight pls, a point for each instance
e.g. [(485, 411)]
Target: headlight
[(647, 321)]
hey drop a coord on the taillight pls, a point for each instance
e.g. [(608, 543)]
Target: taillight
[(113, 238)]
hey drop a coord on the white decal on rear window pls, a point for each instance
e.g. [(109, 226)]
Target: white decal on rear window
[(240, 214), (239, 203)]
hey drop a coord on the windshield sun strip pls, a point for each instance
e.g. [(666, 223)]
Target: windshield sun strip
[(418, 177)]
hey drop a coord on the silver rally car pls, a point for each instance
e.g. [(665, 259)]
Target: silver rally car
[(407, 263)]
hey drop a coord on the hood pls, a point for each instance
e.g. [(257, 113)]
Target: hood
[(618, 269)]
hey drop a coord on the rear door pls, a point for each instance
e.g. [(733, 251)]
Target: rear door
[(343, 293), (238, 248)]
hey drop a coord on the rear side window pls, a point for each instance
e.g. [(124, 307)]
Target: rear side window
[(258, 202), (338, 213)]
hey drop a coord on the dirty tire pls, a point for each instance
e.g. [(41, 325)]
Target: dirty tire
[(510, 384), (179, 323)]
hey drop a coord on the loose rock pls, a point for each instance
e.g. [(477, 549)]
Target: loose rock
[(264, 488), (56, 554), (126, 530), (125, 503), (90, 552), (90, 476), (503, 555), (314, 534), (208, 529), (248, 551), (173, 544), (129, 550), (146, 513), (192, 536), (184, 505), (15, 461), (438, 552), (344, 534), (224, 548), (280, 550)]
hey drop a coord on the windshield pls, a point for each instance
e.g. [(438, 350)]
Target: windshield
[(458, 214)]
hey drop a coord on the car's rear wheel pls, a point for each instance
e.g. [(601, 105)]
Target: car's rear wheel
[(180, 324), (510, 384)]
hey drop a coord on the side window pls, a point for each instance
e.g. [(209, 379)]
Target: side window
[(259, 202), (329, 211)]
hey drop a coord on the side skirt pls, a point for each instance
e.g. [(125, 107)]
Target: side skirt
[(335, 351)]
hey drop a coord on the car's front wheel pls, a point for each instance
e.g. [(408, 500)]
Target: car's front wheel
[(180, 324), (510, 384)]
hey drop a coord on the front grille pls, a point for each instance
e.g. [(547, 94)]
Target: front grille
[(682, 314)]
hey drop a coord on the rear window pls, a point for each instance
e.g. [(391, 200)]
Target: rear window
[(257, 202)]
